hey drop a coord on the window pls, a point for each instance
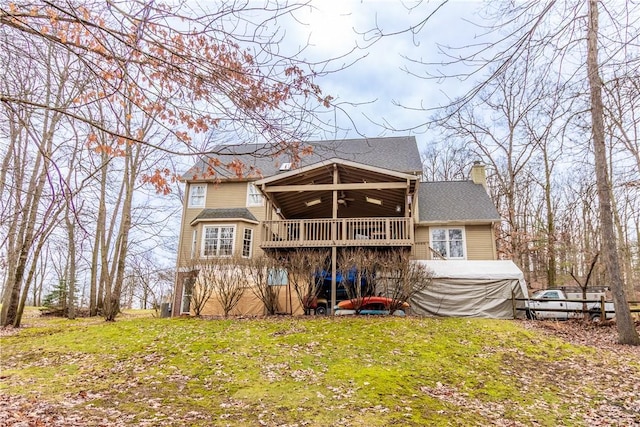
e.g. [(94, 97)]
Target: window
[(194, 243), (187, 291), (254, 197), (277, 277), (247, 242), (448, 242), (197, 194), (218, 240)]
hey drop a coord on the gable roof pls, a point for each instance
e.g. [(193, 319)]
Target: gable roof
[(398, 154), (242, 214), (356, 183), (450, 201), (307, 170)]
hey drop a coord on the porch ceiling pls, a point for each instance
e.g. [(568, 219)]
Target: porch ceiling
[(295, 192)]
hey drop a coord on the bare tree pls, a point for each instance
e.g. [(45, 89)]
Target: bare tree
[(161, 76), (36, 200), (622, 124), (150, 282), (224, 61), (627, 333), (202, 289), (493, 125), (259, 268), (584, 285), (303, 266), (447, 160), (402, 279), (224, 279), (544, 36), (39, 278), (545, 129), (359, 269)]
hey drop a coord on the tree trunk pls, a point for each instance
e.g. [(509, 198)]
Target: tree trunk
[(130, 175), (96, 291), (627, 333), (551, 226), (71, 272)]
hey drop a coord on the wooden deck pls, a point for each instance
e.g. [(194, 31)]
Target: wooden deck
[(396, 231)]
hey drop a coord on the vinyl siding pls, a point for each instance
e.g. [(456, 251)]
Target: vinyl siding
[(478, 240), (480, 244), (420, 248), (227, 195)]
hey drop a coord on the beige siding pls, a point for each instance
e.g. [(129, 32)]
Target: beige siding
[(478, 238), (227, 195), (480, 245), (421, 247), (250, 305)]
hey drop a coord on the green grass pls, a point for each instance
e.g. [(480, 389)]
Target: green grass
[(306, 371)]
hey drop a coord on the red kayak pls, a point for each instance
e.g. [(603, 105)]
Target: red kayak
[(367, 302)]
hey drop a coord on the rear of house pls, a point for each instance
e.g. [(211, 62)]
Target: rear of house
[(360, 193)]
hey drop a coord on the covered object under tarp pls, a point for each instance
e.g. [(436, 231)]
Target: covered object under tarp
[(471, 289)]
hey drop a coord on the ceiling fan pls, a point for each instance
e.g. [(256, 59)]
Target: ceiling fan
[(343, 199)]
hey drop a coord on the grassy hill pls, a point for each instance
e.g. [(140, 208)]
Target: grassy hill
[(367, 371)]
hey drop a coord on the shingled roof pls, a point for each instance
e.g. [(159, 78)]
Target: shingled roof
[(399, 154), (449, 201), (225, 213)]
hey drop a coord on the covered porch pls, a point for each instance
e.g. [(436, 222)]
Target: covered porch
[(338, 203)]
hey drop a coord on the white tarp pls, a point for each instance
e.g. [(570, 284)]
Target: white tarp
[(471, 289)]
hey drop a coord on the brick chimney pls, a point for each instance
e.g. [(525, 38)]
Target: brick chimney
[(478, 174)]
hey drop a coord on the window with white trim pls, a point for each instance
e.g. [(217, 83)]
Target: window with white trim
[(448, 242), (217, 240), (197, 195), (194, 243), (247, 243), (254, 197), (187, 292)]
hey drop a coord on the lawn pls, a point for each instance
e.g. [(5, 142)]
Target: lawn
[(297, 371)]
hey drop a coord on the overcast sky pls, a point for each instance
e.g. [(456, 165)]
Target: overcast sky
[(378, 81), (335, 27)]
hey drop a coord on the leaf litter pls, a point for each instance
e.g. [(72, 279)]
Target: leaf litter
[(616, 376)]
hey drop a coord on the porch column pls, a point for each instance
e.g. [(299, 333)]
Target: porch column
[(334, 237), (407, 205), (409, 211), (269, 212), (268, 207), (265, 226)]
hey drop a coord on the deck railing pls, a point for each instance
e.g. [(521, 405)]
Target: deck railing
[(341, 232)]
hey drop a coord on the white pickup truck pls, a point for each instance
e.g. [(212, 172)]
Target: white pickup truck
[(557, 304)]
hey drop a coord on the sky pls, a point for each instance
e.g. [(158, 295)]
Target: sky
[(376, 82), (372, 89)]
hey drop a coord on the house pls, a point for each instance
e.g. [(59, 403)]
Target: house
[(347, 193)]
